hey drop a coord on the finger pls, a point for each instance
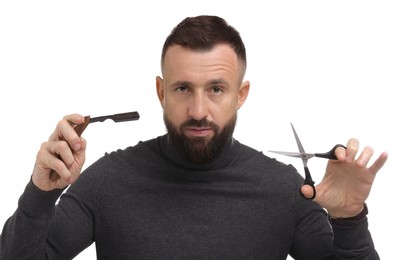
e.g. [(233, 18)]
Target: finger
[(75, 119), (61, 160), (47, 161), (352, 149), (71, 158), (61, 150), (379, 163), (365, 157), (59, 168), (79, 155), (340, 153), (65, 131), (307, 191)]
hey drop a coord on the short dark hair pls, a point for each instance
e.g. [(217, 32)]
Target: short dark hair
[(203, 33)]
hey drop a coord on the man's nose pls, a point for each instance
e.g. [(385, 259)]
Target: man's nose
[(198, 108)]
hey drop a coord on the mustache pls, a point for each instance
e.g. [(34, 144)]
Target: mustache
[(198, 123)]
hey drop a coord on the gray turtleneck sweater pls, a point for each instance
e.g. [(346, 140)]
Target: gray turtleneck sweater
[(149, 202)]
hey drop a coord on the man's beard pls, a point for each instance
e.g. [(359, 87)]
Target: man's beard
[(200, 150)]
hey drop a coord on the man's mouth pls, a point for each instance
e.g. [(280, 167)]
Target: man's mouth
[(198, 131)]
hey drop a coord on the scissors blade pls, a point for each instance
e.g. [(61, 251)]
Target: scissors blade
[(292, 154), (295, 154), (300, 147)]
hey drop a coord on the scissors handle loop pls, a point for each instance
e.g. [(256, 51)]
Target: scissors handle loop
[(330, 154), (308, 181)]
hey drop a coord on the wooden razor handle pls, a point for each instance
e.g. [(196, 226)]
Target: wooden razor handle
[(79, 129)]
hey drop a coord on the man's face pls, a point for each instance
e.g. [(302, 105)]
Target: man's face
[(200, 93)]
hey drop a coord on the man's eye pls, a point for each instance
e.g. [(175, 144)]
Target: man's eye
[(216, 90), (182, 89)]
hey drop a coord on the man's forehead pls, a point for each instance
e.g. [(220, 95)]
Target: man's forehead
[(220, 54)]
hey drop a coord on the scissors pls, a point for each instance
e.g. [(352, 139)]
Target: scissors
[(305, 157)]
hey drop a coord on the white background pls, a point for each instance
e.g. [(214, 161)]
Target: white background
[(332, 68)]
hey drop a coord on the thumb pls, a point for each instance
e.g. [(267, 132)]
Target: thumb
[(308, 192)]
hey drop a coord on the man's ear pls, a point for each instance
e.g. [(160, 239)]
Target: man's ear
[(243, 93), (160, 90)]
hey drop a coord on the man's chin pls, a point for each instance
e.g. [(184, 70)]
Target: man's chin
[(198, 141)]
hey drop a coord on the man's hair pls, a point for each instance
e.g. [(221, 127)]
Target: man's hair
[(203, 33)]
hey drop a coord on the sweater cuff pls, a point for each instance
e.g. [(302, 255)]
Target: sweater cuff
[(352, 220), (354, 235), (36, 202)]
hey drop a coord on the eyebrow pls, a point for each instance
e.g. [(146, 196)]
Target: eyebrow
[(216, 81), (181, 83), (188, 83)]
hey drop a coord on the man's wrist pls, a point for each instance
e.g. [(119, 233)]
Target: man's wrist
[(351, 220)]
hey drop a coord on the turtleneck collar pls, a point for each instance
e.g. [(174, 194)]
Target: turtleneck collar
[(228, 154)]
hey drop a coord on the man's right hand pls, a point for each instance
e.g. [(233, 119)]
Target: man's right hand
[(60, 160)]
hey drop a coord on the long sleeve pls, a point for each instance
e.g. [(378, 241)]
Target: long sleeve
[(42, 229), (354, 241), (317, 238), (25, 232)]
